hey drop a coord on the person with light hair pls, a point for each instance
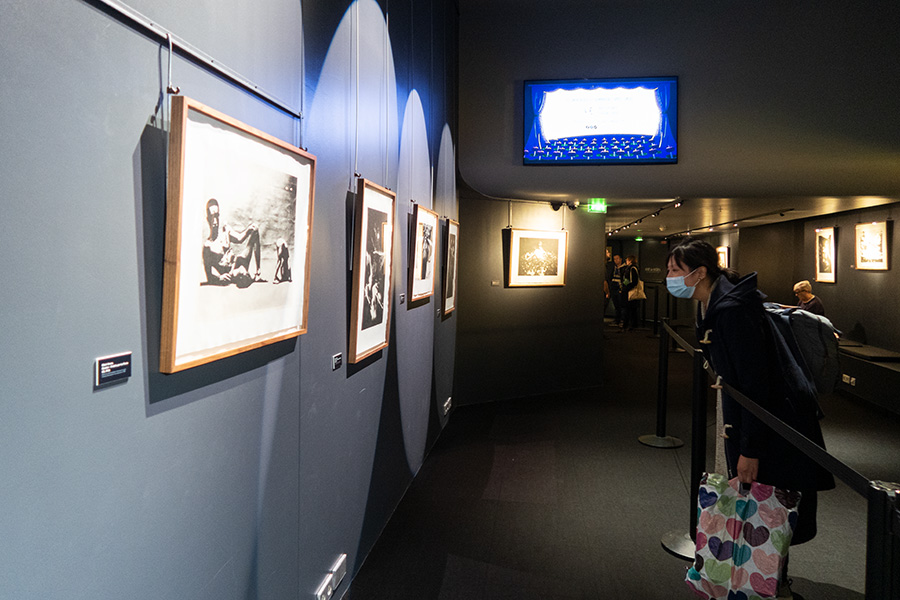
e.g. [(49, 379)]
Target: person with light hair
[(807, 300)]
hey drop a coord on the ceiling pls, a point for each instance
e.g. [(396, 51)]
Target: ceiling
[(785, 111), (634, 218)]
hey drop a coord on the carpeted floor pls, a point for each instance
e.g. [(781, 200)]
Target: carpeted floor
[(555, 498)]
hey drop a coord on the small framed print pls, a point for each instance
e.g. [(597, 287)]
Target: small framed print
[(451, 262), (538, 258), (724, 253), (239, 213), (422, 250), (872, 246), (370, 312), (825, 249)]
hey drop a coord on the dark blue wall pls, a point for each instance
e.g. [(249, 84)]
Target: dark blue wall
[(247, 477)]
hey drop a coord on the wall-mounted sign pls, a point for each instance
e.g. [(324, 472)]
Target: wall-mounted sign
[(109, 369)]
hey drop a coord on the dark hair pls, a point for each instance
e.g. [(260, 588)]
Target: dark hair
[(694, 253)]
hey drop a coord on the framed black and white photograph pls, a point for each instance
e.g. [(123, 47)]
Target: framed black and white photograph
[(370, 311), (422, 251), (537, 258), (872, 246), (825, 254), (451, 263), (238, 225)]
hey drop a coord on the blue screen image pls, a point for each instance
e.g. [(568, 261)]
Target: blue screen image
[(601, 121)]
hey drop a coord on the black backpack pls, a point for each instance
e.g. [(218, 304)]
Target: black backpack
[(811, 343)]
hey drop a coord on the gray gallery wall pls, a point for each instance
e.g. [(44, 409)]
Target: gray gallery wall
[(863, 304), (244, 478), (522, 341)]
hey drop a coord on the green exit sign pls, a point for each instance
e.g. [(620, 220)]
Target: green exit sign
[(597, 205)]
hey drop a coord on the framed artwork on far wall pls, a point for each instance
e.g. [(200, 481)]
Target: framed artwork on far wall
[(872, 243), (370, 312), (724, 254), (239, 215), (538, 258), (825, 254), (422, 250), (451, 262)]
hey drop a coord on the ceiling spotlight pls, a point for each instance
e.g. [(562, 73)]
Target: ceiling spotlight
[(556, 205), (573, 205)]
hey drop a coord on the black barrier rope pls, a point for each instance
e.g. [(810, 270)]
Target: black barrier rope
[(852, 478), (883, 515)]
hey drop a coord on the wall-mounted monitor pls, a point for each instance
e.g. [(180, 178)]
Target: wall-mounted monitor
[(601, 121)]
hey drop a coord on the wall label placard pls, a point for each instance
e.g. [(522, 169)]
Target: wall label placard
[(109, 369)]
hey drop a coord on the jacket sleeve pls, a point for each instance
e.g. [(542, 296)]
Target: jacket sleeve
[(740, 358)]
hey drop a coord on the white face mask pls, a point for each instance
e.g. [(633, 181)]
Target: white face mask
[(678, 288)]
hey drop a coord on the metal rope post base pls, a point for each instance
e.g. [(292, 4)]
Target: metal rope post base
[(655, 441), (678, 544)]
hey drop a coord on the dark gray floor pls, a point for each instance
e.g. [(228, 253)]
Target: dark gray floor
[(554, 497)]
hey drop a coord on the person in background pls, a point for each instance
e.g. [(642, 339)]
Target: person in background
[(630, 276), (808, 301), (738, 341), (615, 288)]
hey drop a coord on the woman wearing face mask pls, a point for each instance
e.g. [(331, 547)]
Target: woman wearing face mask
[(736, 338)]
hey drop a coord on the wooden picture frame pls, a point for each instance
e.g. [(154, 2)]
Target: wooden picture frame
[(370, 312), (238, 231), (538, 258), (422, 251), (451, 266), (825, 254), (872, 246)]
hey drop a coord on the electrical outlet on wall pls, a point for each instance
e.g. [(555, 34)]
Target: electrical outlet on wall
[(326, 588), (338, 570)]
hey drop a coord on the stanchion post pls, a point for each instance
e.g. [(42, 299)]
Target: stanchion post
[(656, 311), (661, 440), (674, 318), (662, 385), (698, 436), (883, 542)]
